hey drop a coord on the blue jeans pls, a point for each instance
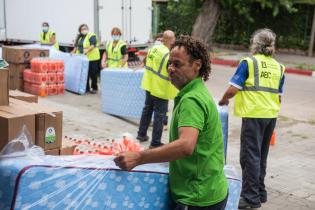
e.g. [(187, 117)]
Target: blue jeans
[(159, 107)]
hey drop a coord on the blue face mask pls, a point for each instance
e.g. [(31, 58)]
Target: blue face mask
[(116, 37), (45, 29)]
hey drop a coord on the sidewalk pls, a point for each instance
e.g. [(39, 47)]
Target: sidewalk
[(292, 62)]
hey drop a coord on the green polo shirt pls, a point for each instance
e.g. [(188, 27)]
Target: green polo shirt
[(198, 180)]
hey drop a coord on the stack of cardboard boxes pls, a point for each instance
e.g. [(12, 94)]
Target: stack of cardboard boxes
[(19, 58), (43, 123)]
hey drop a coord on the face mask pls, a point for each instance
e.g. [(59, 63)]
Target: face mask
[(157, 42), (115, 37), (45, 29), (84, 32)]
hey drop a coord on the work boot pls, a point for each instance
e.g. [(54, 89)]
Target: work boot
[(143, 138), (263, 199), (243, 204)]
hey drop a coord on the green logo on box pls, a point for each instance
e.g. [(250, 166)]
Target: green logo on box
[(50, 136)]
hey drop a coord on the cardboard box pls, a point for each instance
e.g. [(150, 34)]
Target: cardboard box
[(23, 96), (67, 150), (4, 54), (16, 75), (12, 119), (55, 152), (48, 123), (4, 87), (23, 54), (16, 70)]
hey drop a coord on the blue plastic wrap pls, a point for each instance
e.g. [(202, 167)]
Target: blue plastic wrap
[(89, 182), (121, 92), (76, 68), (84, 181), (224, 117)]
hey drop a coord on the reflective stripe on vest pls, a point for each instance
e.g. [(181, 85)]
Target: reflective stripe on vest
[(256, 87), (155, 79), (114, 56), (94, 54), (48, 36), (158, 72), (260, 95)]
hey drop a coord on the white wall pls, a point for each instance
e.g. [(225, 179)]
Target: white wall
[(24, 18), (134, 23)]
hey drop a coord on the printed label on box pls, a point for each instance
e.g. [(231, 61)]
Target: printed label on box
[(50, 136)]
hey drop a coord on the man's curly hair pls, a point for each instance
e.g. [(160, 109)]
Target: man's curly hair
[(196, 50)]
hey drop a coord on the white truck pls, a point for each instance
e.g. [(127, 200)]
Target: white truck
[(20, 20)]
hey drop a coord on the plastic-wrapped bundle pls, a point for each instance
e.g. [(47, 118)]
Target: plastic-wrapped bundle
[(224, 117), (121, 92), (76, 70), (84, 182)]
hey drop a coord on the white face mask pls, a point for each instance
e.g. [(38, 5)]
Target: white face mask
[(116, 37), (84, 32), (45, 29)]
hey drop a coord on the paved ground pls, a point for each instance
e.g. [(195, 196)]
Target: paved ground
[(291, 167)]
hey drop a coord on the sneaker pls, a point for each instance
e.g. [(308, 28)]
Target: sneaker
[(93, 91), (143, 138), (155, 146), (243, 204)]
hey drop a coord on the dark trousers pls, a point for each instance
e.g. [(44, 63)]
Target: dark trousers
[(219, 206), (255, 139), (93, 72), (159, 107)]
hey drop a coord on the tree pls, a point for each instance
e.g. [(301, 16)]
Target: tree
[(206, 21)]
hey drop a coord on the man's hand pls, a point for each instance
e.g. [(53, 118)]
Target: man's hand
[(223, 102), (128, 160)]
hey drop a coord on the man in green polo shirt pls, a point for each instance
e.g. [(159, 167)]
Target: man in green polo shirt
[(195, 151)]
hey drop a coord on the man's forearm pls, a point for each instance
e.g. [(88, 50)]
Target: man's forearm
[(167, 153)]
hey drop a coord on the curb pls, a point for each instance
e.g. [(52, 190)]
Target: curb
[(234, 63)]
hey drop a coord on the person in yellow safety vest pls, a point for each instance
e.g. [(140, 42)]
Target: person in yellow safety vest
[(86, 43), (48, 36), (159, 90), (116, 52), (257, 86)]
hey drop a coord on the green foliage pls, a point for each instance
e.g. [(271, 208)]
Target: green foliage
[(292, 29), (240, 18), (179, 15)]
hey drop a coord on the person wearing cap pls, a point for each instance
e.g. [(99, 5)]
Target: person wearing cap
[(257, 86), (48, 36), (116, 52)]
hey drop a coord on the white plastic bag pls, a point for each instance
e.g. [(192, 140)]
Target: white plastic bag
[(21, 146)]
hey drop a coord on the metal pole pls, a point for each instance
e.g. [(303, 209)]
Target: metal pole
[(97, 20), (310, 48)]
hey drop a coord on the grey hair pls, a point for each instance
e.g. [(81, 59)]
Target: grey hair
[(263, 42)]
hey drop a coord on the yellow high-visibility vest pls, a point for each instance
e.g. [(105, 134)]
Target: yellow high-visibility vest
[(114, 56), (48, 36), (260, 96), (94, 54), (155, 79)]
